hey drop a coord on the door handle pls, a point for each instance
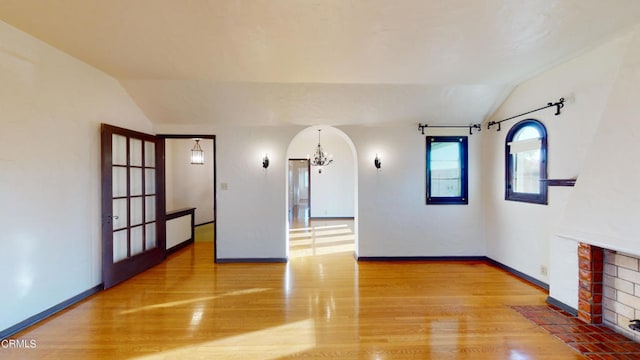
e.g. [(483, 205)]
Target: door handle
[(110, 218)]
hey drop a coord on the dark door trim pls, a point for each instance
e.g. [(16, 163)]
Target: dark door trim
[(114, 273), (309, 185), (215, 180)]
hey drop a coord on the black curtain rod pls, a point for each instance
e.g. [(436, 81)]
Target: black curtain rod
[(478, 127), (559, 105)]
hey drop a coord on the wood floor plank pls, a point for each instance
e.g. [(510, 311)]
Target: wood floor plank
[(314, 307)]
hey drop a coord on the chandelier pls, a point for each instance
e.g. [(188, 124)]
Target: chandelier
[(320, 159)]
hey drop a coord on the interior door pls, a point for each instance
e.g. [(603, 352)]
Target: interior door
[(299, 190), (133, 226)]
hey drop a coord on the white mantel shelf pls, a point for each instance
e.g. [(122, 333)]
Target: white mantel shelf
[(582, 239)]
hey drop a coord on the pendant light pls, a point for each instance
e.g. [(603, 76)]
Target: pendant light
[(197, 154)]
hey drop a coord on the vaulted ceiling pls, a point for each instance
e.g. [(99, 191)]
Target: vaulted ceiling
[(334, 62)]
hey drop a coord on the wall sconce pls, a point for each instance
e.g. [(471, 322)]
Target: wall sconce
[(377, 162), (265, 161), (197, 154)]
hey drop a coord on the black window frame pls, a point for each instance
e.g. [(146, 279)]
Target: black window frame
[(542, 197), (463, 199)]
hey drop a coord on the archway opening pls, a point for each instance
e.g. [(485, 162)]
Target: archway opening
[(322, 201)]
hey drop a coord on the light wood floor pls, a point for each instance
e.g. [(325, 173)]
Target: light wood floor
[(316, 306)]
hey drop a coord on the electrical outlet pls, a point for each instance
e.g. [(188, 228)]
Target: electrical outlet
[(543, 270)]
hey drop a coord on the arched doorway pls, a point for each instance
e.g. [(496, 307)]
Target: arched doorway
[(321, 202)]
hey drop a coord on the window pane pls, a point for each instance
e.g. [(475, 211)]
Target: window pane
[(136, 181), (527, 132), (119, 213), (150, 181), (136, 211), (151, 241), (136, 240), (150, 209), (119, 245), (446, 170), (526, 172), (118, 150), (119, 181), (526, 162), (149, 154), (135, 152)]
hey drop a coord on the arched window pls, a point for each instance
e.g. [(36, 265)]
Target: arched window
[(526, 162)]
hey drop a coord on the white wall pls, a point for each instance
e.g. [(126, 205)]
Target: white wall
[(50, 214), (605, 206), (332, 191), (392, 215), (251, 221), (522, 235), (189, 185)]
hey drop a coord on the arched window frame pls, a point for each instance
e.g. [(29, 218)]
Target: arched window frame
[(510, 194)]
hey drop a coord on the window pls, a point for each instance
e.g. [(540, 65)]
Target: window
[(526, 162), (447, 170)]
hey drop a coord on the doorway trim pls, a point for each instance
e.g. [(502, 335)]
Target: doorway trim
[(134, 167), (347, 139), (308, 185), (164, 137)]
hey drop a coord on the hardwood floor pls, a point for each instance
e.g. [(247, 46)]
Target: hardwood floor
[(320, 237), (320, 306)]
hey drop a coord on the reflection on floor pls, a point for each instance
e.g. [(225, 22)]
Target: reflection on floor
[(321, 237), (204, 232), (315, 307)]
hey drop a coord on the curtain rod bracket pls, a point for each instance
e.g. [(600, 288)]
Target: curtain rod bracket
[(491, 123), (559, 105)]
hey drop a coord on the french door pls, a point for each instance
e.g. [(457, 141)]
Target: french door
[(133, 204)]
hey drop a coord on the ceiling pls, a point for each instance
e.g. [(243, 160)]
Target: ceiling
[(333, 62)]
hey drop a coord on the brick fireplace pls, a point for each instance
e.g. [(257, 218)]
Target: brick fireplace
[(591, 266), (609, 288)]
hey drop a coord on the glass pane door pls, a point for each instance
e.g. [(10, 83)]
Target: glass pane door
[(133, 237)]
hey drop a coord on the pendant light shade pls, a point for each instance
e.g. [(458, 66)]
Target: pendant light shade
[(197, 154)]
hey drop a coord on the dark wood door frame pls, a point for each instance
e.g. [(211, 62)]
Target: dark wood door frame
[(114, 273), (164, 137)]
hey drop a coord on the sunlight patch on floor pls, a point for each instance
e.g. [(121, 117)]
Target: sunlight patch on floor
[(319, 227), (191, 301), (268, 344), (321, 240)]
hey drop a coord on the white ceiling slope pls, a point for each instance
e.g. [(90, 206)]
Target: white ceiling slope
[(331, 62)]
